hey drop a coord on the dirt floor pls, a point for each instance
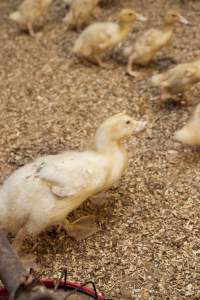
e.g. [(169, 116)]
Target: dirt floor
[(148, 244)]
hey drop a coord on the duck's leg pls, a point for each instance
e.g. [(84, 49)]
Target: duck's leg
[(81, 228), (99, 62), (30, 29), (129, 69)]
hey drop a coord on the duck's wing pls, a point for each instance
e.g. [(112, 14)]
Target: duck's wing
[(148, 39), (104, 33), (77, 172)]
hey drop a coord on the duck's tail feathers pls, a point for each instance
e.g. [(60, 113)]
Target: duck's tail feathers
[(16, 16), (156, 79)]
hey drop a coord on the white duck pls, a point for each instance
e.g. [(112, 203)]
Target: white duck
[(45, 191), (190, 133), (28, 13)]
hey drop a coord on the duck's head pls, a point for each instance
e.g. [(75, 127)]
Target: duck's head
[(128, 15), (116, 128), (174, 16)]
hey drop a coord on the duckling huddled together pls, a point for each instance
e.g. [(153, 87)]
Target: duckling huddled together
[(46, 191)]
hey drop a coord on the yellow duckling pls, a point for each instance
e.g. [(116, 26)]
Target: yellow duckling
[(44, 192), (190, 133), (28, 13), (178, 79), (101, 36), (148, 44), (79, 13)]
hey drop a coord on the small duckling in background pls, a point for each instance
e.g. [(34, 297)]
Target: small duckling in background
[(28, 13), (148, 44), (44, 192), (79, 13), (177, 80), (101, 36), (190, 133)]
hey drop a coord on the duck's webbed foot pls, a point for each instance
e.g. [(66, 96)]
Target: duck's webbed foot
[(81, 228), (135, 74), (99, 199), (30, 29)]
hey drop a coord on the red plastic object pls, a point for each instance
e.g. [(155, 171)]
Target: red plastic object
[(50, 283)]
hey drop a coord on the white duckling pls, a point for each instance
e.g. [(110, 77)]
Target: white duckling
[(152, 41), (28, 13), (45, 191), (190, 133), (101, 36), (79, 13)]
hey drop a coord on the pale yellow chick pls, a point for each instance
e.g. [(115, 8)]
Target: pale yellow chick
[(79, 13), (101, 36), (44, 192), (177, 80), (28, 13), (190, 133), (153, 40)]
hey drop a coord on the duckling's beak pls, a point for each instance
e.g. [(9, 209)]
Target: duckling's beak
[(183, 20), (140, 126), (141, 18)]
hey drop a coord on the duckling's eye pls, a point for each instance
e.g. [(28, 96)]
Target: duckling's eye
[(128, 122), (130, 14)]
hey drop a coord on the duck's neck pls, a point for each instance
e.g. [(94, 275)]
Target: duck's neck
[(168, 27), (116, 154), (124, 28)]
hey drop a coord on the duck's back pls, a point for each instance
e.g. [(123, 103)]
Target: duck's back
[(99, 35)]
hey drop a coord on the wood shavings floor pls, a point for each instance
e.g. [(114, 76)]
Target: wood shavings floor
[(148, 244)]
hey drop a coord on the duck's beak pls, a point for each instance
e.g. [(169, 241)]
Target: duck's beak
[(140, 126), (183, 20), (141, 18)]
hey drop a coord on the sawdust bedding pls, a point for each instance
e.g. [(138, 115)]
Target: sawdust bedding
[(148, 244)]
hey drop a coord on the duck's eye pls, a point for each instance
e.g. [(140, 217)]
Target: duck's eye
[(128, 122), (130, 14)]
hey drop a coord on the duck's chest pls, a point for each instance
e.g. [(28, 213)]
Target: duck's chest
[(118, 163), (163, 39)]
